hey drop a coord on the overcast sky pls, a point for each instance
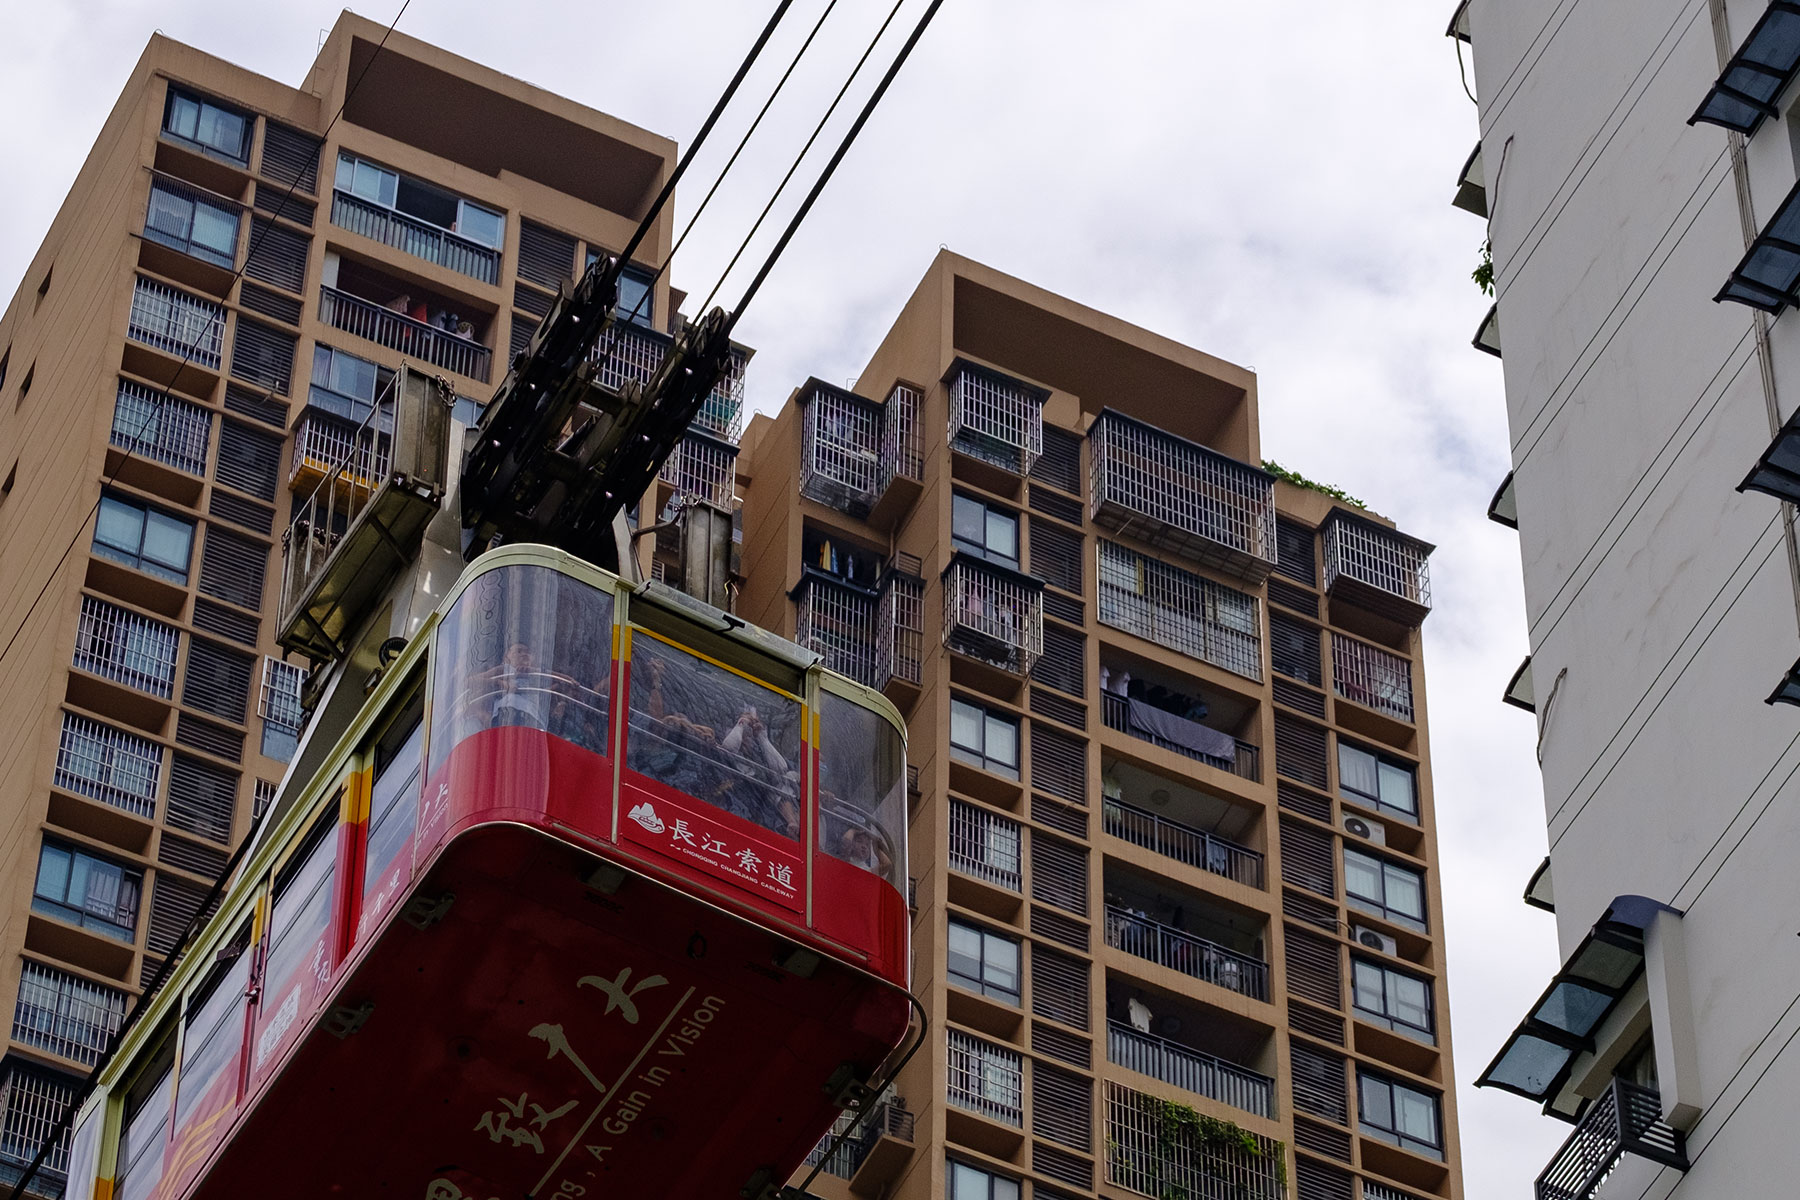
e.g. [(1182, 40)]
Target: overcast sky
[(1268, 182)]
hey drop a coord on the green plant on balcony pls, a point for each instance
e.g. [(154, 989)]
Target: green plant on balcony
[(1483, 274), (1299, 480), (1180, 1128)]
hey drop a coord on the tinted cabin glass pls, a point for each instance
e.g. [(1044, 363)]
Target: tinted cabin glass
[(862, 788), (302, 906), (140, 1161), (715, 735), (215, 1033), (394, 799)]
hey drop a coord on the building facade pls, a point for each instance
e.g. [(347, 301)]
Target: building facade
[(268, 263), (1177, 919), (1637, 168)]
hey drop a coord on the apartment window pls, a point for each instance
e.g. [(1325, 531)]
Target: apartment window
[(1387, 997), (1386, 889), (87, 891), (985, 739), (984, 531), (346, 385), (420, 201), (467, 410), (1378, 781), (187, 221), (5, 361), (65, 1014), (218, 131), (279, 707), (984, 962), (138, 536), (972, 1183), (636, 303), (1397, 1113)]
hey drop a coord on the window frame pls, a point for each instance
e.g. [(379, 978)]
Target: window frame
[(984, 549), (979, 756), (203, 102), (137, 559), (78, 914), (355, 408), (980, 983), (953, 1165), (152, 1090), (186, 242), (387, 195), (1379, 906), (1387, 1016), (401, 745), (1394, 1136), (1376, 802)]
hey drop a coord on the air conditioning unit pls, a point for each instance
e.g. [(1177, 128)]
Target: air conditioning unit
[(1369, 831), (1373, 939)]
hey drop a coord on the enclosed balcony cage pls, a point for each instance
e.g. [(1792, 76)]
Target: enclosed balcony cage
[(840, 449), (1376, 567), (170, 320), (1180, 610), (1371, 676), (993, 614), (150, 424), (901, 456), (1182, 497), (702, 467), (996, 419), (1144, 1155)]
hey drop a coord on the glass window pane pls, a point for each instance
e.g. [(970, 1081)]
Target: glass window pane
[(1369, 992), (120, 525), (184, 116), (1573, 1008), (1374, 1103), (1411, 1000), (1357, 771), (968, 520), (1005, 1189), (1397, 788), (966, 1183), (635, 301), (170, 214), (216, 228), (1404, 895), (168, 541), (1417, 1115), (482, 225), (1003, 535), (1362, 876), (965, 725), (53, 873), (1003, 741)]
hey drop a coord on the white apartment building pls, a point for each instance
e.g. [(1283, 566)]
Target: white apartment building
[(1637, 167)]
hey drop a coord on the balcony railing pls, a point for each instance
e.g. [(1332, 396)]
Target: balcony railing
[(1377, 567), (900, 629), (996, 419), (703, 468), (629, 353), (122, 646), (65, 1014), (901, 457), (1371, 676), (986, 1079), (838, 621), (416, 238), (1194, 957), (1144, 1155), (109, 765), (1182, 497), (325, 444), (985, 845), (1625, 1119), (1202, 1074), (1181, 610), (33, 1108), (993, 614), (176, 323), (1245, 760), (397, 331), (840, 450), (722, 413), (890, 1118), (1172, 839), (149, 424)]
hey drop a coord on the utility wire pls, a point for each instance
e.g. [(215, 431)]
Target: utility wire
[(1504, 97), (163, 399)]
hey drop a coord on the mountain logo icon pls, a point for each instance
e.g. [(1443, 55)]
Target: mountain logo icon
[(646, 816)]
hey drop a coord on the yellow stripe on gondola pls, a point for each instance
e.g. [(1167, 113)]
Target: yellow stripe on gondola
[(356, 796), (723, 666)]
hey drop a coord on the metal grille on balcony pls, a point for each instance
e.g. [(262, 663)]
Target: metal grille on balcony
[(326, 445), (986, 1079), (840, 449), (838, 622), (1371, 676), (397, 331), (176, 323), (1194, 957), (901, 457), (722, 413), (996, 419), (1624, 1119), (1143, 1155), (1202, 1074), (33, 1106), (1180, 610), (148, 424), (416, 238), (703, 468), (890, 1118), (900, 628), (278, 700), (197, 222), (993, 614), (124, 647), (109, 765), (65, 1014), (1380, 1191), (985, 845), (1174, 840), (629, 354), (1182, 497), (1378, 568)]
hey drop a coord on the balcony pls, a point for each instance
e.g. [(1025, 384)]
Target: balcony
[(200, 224), (890, 1125), (1145, 1155), (1377, 568), (871, 636), (363, 318), (415, 237), (993, 614), (1171, 839), (176, 323), (629, 354), (997, 420), (148, 424), (1203, 1074), (1182, 497), (840, 449), (65, 1014), (1625, 1119), (327, 445), (33, 1105), (1372, 677), (122, 646), (985, 845), (986, 1079), (1136, 934), (108, 765), (702, 467), (1189, 738), (1180, 610)]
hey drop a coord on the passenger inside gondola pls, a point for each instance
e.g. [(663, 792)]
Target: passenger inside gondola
[(862, 787)]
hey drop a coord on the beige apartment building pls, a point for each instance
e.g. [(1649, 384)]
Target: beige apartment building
[(1177, 918)]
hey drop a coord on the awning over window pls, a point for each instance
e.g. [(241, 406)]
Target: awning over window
[(1777, 472), (1518, 691), (1487, 337), (1754, 78), (1536, 1060), (1503, 509), (1770, 270)]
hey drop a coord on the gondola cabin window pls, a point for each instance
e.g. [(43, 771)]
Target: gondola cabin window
[(301, 913), (394, 795), (140, 1161), (862, 788), (214, 1035)]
